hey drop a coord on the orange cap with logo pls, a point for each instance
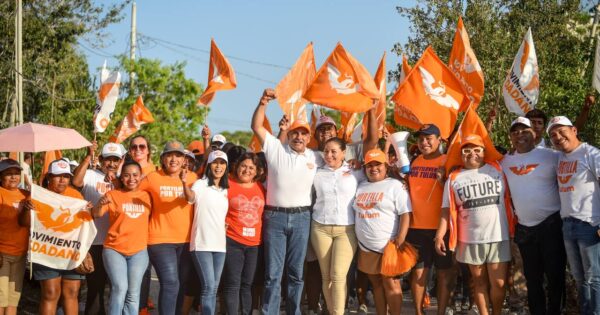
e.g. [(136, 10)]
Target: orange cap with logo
[(472, 139), (196, 147), (299, 124), (375, 155)]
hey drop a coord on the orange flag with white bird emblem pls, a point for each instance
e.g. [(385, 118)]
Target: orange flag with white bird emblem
[(430, 94), (137, 116), (220, 75), (290, 89), (465, 66), (343, 84), (380, 109)]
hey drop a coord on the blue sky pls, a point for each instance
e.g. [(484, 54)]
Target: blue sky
[(267, 31)]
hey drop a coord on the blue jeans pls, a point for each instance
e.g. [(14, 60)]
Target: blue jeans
[(173, 265), (285, 239), (582, 245), (240, 268), (209, 266), (125, 274)]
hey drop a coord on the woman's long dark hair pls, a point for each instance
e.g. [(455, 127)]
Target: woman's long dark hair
[(257, 162), (223, 183)]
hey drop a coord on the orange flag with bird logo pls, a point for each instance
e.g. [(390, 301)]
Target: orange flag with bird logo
[(255, 145), (290, 89), (521, 87), (471, 125), (220, 75), (380, 109), (465, 66), (343, 84), (138, 115), (430, 94)]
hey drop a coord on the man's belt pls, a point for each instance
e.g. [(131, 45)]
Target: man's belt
[(288, 209)]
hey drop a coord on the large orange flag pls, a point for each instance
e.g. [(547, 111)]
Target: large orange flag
[(343, 83), (290, 89), (49, 157), (405, 69), (465, 66), (314, 118), (470, 125), (254, 143), (347, 123), (430, 94), (220, 75), (380, 114), (137, 116)]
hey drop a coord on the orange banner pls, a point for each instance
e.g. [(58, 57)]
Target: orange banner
[(255, 145), (220, 75), (290, 89), (380, 112), (137, 116)]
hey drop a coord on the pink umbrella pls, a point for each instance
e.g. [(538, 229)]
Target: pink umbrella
[(31, 137)]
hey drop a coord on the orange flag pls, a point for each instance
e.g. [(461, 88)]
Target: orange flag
[(290, 89), (343, 84), (430, 94), (255, 145), (314, 118), (380, 115), (465, 66), (49, 157), (405, 68), (470, 125), (137, 116), (220, 75), (347, 123)]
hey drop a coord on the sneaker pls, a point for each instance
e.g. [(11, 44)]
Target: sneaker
[(144, 311), (255, 312), (362, 309), (352, 303), (474, 310), (370, 299), (449, 311)]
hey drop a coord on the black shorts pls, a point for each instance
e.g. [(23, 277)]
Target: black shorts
[(423, 242)]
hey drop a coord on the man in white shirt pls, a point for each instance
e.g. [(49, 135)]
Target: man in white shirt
[(94, 183), (531, 174), (577, 174), (286, 220)]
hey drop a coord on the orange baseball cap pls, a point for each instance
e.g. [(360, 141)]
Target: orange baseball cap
[(472, 139), (375, 155), (196, 147), (299, 124)]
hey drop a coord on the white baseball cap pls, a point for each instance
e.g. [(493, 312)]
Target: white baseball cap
[(558, 121), (113, 149), (219, 138), (59, 167), (217, 154), (521, 121)]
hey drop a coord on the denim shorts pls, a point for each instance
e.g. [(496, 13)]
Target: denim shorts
[(41, 272)]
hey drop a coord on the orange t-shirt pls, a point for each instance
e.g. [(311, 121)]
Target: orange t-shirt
[(244, 216), (73, 193), (422, 180), (14, 238), (128, 214), (171, 216), (149, 168)]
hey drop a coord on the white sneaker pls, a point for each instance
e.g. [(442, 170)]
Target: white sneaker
[(474, 310), (449, 311), (362, 309), (370, 299)]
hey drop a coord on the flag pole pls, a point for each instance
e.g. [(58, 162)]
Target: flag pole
[(94, 154)]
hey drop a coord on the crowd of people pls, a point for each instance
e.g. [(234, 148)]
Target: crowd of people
[(214, 219)]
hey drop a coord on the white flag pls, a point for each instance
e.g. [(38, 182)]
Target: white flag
[(596, 77), (62, 230), (521, 87), (106, 98)]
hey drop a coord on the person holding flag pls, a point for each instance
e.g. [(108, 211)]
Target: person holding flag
[(56, 284), (13, 237), (93, 184), (125, 256), (426, 191), (476, 208)]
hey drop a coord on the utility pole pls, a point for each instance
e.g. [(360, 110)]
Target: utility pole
[(132, 45), (19, 60)]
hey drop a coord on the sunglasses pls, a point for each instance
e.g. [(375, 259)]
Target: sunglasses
[(140, 147), (519, 132), (467, 151)]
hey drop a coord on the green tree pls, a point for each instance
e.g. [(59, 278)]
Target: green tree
[(238, 137), (561, 33)]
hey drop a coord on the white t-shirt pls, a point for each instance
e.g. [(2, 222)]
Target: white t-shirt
[(543, 144), (479, 198), (94, 187), (532, 180), (377, 207), (291, 174), (335, 191), (210, 210), (577, 174)]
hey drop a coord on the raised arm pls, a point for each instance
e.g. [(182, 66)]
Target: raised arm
[(590, 100), (79, 172), (372, 136), (258, 118), (284, 125), (99, 209)]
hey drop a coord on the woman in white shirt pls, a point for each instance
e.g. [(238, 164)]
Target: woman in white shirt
[(382, 207), (208, 241), (332, 232)]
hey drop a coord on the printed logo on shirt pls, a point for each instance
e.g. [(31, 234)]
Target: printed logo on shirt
[(171, 191), (566, 170), (523, 169), (424, 172), (103, 187), (310, 166), (366, 202), (479, 194), (249, 232), (248, 209), (133, 210)]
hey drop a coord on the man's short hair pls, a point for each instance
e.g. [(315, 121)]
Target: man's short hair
[(536, 113)]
